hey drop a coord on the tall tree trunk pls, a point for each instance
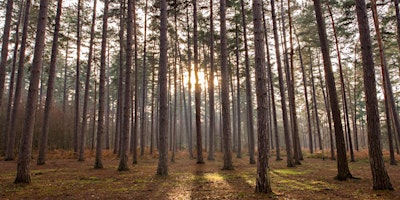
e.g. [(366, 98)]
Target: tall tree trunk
[(162, 168), (77, 81), (272, 93), (153, 93), (108, 114), (123, 164), (225, 91), (304, 77), (50, 89), (102, 89), (144, 82), (211, 87), (343, 167), (87, 85), (344, 99), (11, 135), (239, 125), (286, 127), (25, 150), (250, 126), (120, 103), (134, 138), (292, 99), (190, 141), (387, 86), (381, 180), (11, 85), (64, 105), (197, 89), (314, 99), (263, 179), (355, 100), (4, 47)]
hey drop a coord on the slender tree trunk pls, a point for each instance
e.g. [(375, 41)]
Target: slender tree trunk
[(153, 93), (263, 184), (239, 125), (25, 150), (50, 89), (343, 167), (4, 47), (211, 87), (355, 101), (225, 91), (87, 85), (197, 88), (344, 99), (94, 115), (11, 85), (304, 77), (144, 82), (314, 99), (387, 87), (189, 87), (120, 103), (11, 135), (123, 164), (250, 125), (134, 139), (272, 93), (98, 164), (108, 115), (162, 168), (286, 127), (77, 81), (381, 180), (292, 100)]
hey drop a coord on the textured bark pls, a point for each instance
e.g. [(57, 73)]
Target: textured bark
[(250, 125), (343, 167), (4, 46), (292, 99), (87, 86), (272, 93), (18, 87), (190, 141), (286, 127), (162, 168), (263, 184), (342, 84), (134, 138), (77, 82), (50, 89), (25, 150), (123, 164), (304, 78), (144, 86), (197, 89), (239, 125), (380, 177), (211, 87), (226, 124), (4, 135), (102, 90)]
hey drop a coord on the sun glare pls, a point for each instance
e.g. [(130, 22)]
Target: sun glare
[(202, 80)]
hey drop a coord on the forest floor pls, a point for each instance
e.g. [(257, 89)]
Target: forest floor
[(63, 177)]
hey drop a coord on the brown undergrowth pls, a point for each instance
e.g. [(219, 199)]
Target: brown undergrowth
[(63, 177)]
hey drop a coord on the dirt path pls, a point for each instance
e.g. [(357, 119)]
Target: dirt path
[(65, 178)]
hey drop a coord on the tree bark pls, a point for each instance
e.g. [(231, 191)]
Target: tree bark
[(162, 168), (25, 150), (226, 124), (343, 167), (263, 184), (18, 87), (50, 89), (250, 126), (286, 127), (4, 46), (123, 164), (380, 177), (211, 87)]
